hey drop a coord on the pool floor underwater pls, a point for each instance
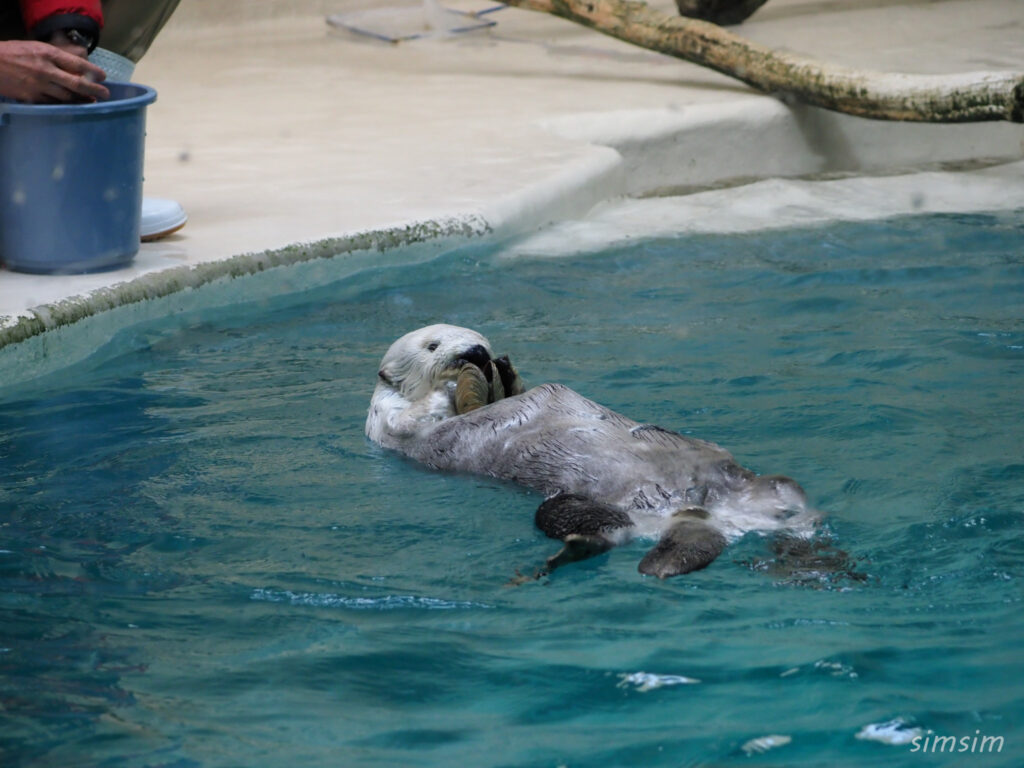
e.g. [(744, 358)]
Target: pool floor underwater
[(203, 562)]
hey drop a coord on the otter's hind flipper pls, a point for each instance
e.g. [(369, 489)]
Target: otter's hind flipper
[(569, 513), (586, 526), (814, 562), (578, 546), (689, 545)]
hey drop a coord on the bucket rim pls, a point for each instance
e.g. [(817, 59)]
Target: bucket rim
[(146, 95)]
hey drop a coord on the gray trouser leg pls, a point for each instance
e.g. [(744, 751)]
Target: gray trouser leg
[(130, 26)]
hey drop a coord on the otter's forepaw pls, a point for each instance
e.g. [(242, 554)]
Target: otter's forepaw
[(472, 389), (509, 376), (494, 379)]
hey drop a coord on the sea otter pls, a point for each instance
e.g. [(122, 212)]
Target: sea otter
[(443, 399)]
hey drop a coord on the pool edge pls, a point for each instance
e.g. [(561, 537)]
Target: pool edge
[(420, 240)]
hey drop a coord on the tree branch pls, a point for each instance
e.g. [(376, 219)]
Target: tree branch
[(955, 98)]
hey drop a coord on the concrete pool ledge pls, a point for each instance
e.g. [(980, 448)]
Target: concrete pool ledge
[(53, 336), (686, 148), (777, 203), (303, 157)]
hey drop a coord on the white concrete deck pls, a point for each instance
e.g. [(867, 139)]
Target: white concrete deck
[(272, 131)]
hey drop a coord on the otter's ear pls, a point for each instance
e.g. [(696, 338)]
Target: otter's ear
[(384, 375)]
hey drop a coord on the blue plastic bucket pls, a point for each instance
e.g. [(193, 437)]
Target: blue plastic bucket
[(71, 182)]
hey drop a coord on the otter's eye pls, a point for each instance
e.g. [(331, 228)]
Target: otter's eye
[(433, 345)]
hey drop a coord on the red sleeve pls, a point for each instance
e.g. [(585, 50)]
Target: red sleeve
[(34, 11)]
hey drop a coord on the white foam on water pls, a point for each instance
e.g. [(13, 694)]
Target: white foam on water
[(384, 603), (762, 744), (648, 681), (894, 732)]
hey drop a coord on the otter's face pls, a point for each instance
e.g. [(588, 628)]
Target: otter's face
[(423, 361)]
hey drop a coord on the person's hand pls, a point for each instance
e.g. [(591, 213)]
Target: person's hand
[(41, 73)]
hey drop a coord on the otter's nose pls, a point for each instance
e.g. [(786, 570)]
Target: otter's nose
[(477, 355)]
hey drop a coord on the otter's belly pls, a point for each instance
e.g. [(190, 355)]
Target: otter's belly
[(617, 464)]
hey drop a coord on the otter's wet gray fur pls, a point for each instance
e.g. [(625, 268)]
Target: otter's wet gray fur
[(606, 478)]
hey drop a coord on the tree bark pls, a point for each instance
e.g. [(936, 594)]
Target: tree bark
[(954, 98), (719, 11)]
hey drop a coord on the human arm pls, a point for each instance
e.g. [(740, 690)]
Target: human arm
[(38, 72), (51, 66)]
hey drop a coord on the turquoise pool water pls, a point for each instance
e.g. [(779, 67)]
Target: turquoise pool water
[(204, 563)]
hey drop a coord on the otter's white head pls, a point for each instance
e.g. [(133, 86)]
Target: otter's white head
[(416, 380)]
